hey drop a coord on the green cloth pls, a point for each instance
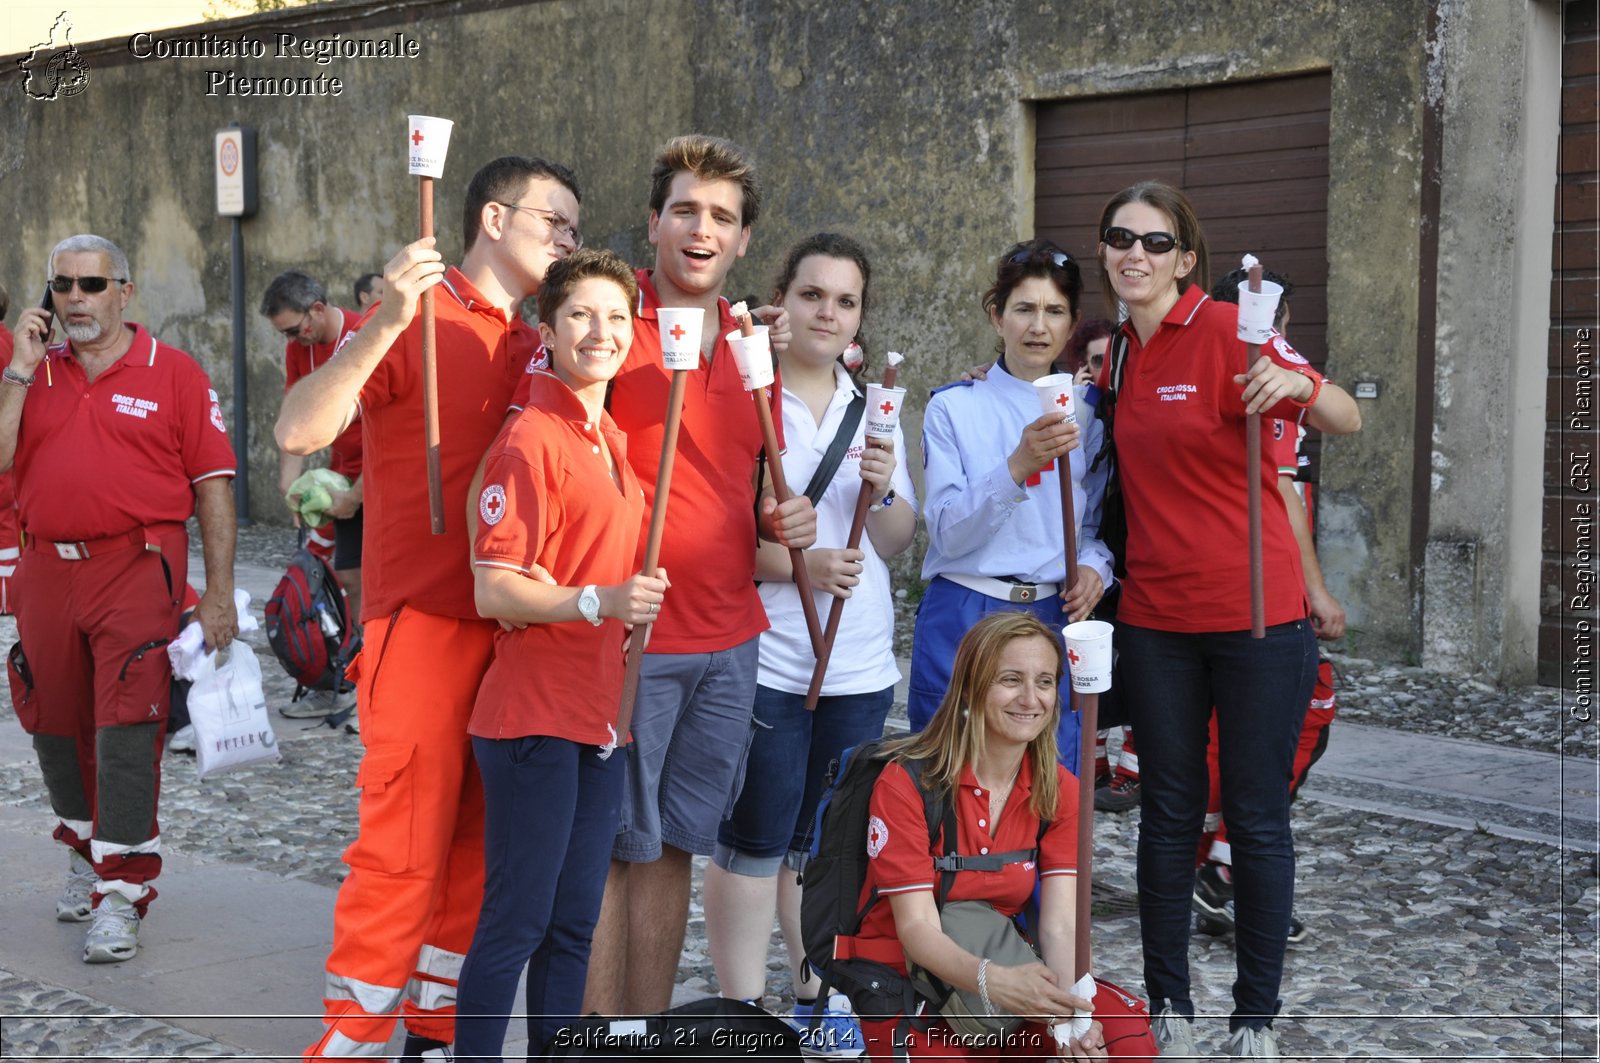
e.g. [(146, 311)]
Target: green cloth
[(316, 489)]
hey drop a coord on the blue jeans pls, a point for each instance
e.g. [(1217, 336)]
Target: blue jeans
[(551, 814), (1260, 688), (945, 614), (789, 759)]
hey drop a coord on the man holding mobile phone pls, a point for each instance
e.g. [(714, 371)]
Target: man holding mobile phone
[(134, 427)]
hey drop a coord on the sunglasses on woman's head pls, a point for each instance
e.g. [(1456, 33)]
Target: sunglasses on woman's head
[(1156, 243), (1058, 259)]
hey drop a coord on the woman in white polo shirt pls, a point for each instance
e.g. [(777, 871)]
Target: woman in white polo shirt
[(761, 846)]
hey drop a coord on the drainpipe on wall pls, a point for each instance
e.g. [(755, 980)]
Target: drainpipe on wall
[(1427, 313)]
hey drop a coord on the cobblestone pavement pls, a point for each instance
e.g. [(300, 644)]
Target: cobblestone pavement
[(1426, 942)]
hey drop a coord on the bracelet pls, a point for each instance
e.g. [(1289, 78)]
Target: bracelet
[(11, 375), (879, 507), (1316, 389), (983, 986)]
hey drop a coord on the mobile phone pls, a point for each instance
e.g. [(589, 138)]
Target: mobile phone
[(46, 304)]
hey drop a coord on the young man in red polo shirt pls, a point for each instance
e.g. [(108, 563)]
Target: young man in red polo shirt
[(133, 427), (691, 723), (297, 306), (406, 913)]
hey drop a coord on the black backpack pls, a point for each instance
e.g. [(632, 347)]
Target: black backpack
[(831, 910), (308, 625)]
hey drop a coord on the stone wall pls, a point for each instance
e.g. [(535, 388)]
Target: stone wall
[(907, 126)]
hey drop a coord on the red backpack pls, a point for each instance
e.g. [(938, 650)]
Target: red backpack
[(308, 625)]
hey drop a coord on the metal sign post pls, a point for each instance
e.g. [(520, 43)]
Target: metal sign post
[(234, 159)]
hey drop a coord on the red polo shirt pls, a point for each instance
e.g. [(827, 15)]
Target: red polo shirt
[(300, 361), (709, 544), (1180, 430), (481, 355), (100, 459), (548, 499), (901, 855)]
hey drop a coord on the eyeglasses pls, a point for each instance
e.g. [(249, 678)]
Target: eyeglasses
[(87, 285), (557, 221), (1157, 243), (1058, 259), (294, 332)]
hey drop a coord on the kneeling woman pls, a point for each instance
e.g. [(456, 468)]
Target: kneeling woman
[(991, 749), (558, 494)]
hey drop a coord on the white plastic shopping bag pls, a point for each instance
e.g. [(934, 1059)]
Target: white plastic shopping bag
[(229, 710)]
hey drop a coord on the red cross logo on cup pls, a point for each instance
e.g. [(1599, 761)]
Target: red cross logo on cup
[(677, 332), (416, 136), (1062, 400), (887, 407), (1072, 655)]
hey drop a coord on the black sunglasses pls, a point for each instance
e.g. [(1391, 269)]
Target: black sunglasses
[(1157, 243), (1058, 259), (88, 285)]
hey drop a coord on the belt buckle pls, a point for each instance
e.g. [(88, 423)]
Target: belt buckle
[(1024, 592), (78, 551)]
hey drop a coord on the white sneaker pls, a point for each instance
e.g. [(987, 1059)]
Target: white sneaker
[(114, 934), (75, 905), (1253, 1044), (1175, 1035), (182, 740), (310, 705)]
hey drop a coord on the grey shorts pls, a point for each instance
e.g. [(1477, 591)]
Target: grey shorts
[(691, 735)]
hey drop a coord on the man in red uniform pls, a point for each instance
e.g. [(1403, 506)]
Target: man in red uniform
[(692, 721), (406, 913), (298, 308), (116, 440)]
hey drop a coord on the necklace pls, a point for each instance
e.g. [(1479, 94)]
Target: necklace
[(998, 795)]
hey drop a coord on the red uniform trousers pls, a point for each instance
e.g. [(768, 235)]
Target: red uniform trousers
[(94, 639), (1313, 741), (10, 543), (406, 913)]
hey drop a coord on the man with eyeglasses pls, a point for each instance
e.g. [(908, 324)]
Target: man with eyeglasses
[(116, 439), (406, 914), (297, 307)]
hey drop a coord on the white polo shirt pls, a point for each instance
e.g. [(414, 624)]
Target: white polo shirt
[(863, 653)]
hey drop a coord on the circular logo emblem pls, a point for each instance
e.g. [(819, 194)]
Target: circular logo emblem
[(230, 156), (216, 413), (1288, 353), (877, 836), (492, 504)]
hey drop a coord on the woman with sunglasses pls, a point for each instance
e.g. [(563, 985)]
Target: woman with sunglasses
[(1182, 398), (993, 482)]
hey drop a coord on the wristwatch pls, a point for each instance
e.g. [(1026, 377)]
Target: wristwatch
[(888, 500), (589, 604)]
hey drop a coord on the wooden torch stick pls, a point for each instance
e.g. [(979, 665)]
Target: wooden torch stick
[(652, 547), (780, 491), (1069, 521), (858, 524), (430, 371), (1083, 955), (1258, 594)]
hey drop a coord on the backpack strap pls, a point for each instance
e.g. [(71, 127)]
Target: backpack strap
[(941, 818), (835, 453)]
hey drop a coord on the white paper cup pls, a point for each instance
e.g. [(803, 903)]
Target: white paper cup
[(1089, 655), (680, 336), (1055, 396), (753, 355), (1256, 311), (883, 410), (427, 142)]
